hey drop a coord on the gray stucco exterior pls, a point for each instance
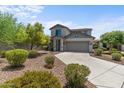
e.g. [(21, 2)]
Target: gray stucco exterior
[(78, 40)]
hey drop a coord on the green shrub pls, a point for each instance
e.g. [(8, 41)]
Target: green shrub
[(16, 57), (45, 47), (34, 79), (49, 61), (114, 49), (122, 54), (95, 46), (116, 52), (33, 54), (116, 56), (2, 54), (104, 49), (98, 51), (76, 75)]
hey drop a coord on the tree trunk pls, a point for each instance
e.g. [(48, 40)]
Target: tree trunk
[(110, 48), (31, 46)]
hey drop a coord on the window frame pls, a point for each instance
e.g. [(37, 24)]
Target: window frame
[(58, 32)]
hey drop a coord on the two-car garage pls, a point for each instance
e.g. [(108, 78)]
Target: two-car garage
[(77, 46)]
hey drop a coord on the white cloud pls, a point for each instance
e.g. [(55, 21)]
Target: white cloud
[(52, 23), (69, 24), (31, 13), (22, 15), (23, 12), (33, 17), (107, 25), (36, 9), (99, 27)]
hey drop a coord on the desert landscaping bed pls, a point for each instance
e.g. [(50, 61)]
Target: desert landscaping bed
[(37, 64), (108, 58)]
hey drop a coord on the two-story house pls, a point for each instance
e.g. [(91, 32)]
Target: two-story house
[(73, 40)]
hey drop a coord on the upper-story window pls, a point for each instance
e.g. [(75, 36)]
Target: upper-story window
[(76, 36), (58, 32), (84, 32)]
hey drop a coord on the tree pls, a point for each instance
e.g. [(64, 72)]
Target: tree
[(8, 29), (31, 35), (13, 33), (36, 36), (46, 40), (113, 38), (21, 36)]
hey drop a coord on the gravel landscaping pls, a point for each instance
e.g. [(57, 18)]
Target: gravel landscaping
[(108, 58), (37, 64), (7, 73)]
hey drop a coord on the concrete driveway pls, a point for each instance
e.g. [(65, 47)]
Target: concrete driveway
[(103, 73)]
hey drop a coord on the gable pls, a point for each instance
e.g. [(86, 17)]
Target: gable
[(64, 31), (71, 33)]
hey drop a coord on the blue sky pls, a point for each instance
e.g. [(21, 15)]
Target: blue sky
[(100, 18)]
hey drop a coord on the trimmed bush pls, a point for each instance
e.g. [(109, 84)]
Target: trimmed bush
[(34, 79), (104, 49), (98, 51), (49, 61), (33, 54), (116, 52), (95, 46), (2, 54), (114, 49), (76, 75), (16, 57), (116, 56), (122, 54)]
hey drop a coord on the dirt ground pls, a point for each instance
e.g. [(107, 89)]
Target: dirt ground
[(109, 58), (37, 64)]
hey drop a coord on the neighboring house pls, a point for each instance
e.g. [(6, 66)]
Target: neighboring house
[(74, 40), (102, 45), (99, 44)]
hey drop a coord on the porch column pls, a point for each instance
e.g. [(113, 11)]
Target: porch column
[(54, 44), (61, 44), (90, 46), (100, 45)]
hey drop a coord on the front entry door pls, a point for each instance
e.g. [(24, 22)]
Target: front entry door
[(58, 45)]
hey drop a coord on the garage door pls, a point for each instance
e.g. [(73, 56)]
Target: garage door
[(78, 46)]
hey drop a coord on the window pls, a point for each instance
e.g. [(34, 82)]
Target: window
[(58, 32), (76, 36), (84, 32)]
